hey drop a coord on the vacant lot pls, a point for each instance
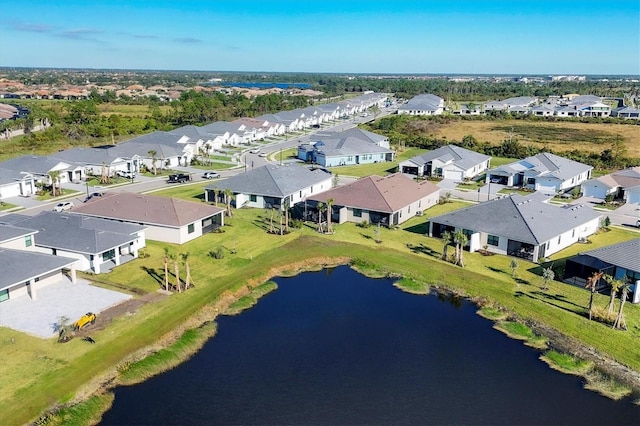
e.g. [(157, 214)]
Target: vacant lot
[(558, 136)]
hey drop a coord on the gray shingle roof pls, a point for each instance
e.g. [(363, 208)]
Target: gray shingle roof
[(88, 155), (8, 176), (272, 181), (426, 102), (460, 156), (545, 164), (354, 132), (348, 146), (31, 163), (10, 232), (625, 255), (524, 219), (13, 265), (72, 232)]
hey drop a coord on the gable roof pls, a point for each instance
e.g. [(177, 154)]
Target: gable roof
[(525, 219), (348, 146), (624, 255), (354, 132), (381, 194), (546, 164), (33, 164), (461, 157), (272, 180), (81, 155), (147, 209), (425, 102), (14, 261), (67, 231), (9, 232)]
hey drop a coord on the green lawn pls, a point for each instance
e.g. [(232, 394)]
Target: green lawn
[(38, 373), (501, 161)]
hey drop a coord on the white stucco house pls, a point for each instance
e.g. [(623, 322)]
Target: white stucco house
[(449, 162)]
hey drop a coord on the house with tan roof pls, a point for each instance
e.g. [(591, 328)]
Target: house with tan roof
[(388, 200), (623, 184), (167, 219)]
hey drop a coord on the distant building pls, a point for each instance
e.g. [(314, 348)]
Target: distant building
[(423, 105)]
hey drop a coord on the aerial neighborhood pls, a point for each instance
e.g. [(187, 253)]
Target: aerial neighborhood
[(110, 228)]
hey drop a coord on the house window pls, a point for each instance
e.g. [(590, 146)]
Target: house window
[(493, 240), (28, 241), (4, 295), (357, 212), (108, 255), (190, 228), (253, 198), (559, 238)]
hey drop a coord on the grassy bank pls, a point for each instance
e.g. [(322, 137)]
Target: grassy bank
[(38, 373)]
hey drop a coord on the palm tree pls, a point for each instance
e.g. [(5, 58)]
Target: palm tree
[(185, 259), (329, 214), (616, 285), (167, 254), (54, 176), (228, 195), (320, 208), (216, 192), (592, 283), (460, 238), (620, 322), (153, 154), (176, 269), (287, 206), (447, 237)]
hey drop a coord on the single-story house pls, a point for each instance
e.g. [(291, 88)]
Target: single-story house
[(626, 112), (620, 260), (622, 184), (590, 106), (426, 104), (271, 186), (17, 280), (506, 104), (169, 152), (449, 162), (92, 161), (519, 226), (40, 167), (541, 172), (14, 183), (167, 219), (95, 244), (350, 147), (388, 200)]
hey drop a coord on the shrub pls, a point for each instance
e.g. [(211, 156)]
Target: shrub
[(295, 223), (364, 224), (218, 253)]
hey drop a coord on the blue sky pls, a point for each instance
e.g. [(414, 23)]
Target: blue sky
[(348, 36)]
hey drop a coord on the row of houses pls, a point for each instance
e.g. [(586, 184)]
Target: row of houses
[(569, 106), (179, 147)]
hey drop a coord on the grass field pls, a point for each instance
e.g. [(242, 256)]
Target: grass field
[(558, 136), (38, 373)]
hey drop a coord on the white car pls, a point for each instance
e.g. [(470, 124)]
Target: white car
[(126, 175), (61, 207), (211, 175), (262, 154), (254, 150)]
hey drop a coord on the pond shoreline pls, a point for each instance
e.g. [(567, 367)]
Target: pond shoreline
[(104, 384)]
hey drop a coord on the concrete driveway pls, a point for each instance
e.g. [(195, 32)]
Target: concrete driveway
[(39, 317)]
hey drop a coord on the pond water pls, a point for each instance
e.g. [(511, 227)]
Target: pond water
[(335, 347)]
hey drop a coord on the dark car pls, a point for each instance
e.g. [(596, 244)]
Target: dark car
[(178, 178)]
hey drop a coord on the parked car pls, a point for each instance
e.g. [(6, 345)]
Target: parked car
[(179, 178), (126, 175), (61, 207), (211, 175), (93, 195), (254, 150), (86, 319)]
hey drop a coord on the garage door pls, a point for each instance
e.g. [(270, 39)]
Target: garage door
[(633, 197), (453, 174)]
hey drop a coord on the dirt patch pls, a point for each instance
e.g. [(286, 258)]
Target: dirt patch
[(127, 307)]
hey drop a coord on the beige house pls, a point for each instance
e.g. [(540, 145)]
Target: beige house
[(388, 200), (167, 219)]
